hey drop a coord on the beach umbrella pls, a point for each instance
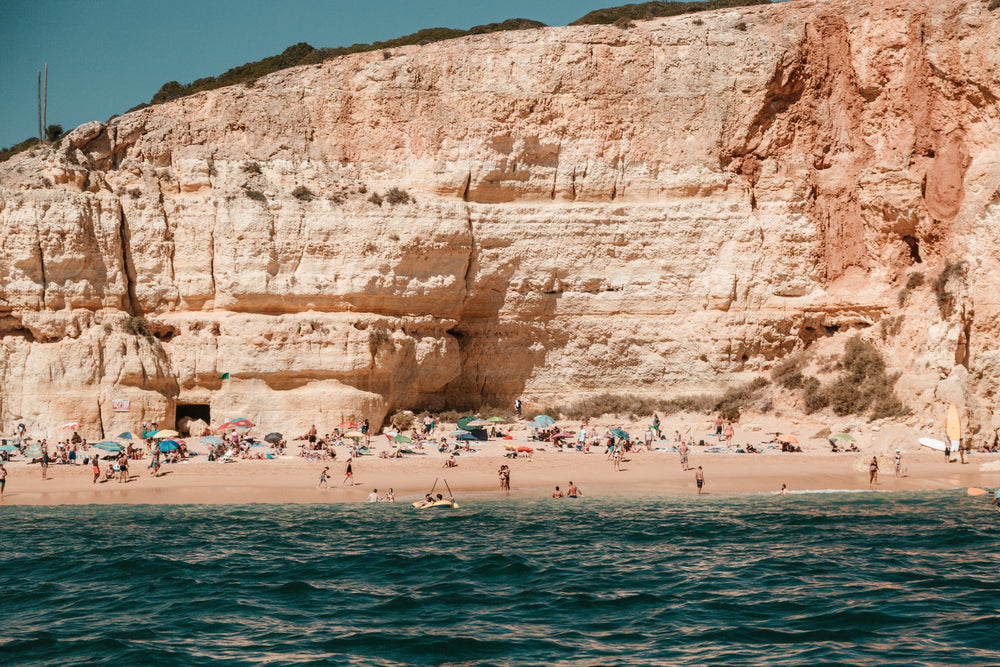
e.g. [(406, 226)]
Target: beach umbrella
[(463, 423), (537, 424), (273, 438), (166, 433), (844, 436), (496, 420), (347, 425), (212, 440), (354, 434), (107, 446), (618, 433), (791, 439), (127, 435), (477, 423), (9, 448), (400, 438), (457, 433), (466, 436), (562, 434), (169, 445), (545, 419), (242, 422), (72, 426), (34, 449)]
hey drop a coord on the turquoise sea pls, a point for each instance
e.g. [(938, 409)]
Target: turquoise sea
[(824, 578)]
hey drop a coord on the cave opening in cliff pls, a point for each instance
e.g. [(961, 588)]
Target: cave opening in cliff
[(193, 411)]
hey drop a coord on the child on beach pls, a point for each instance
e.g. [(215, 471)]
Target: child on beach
[(322, 479)]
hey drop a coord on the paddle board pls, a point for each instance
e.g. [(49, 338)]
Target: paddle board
[(954, 426), (976, 492), (932, 443)]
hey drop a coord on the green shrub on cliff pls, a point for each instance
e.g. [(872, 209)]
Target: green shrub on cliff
[(650, 10)]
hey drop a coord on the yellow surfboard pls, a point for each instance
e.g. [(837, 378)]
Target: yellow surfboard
[(953, 425)]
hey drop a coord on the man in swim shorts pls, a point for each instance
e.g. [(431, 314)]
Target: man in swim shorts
[(95, 461), (699, 479), (572, 490), (3, 479), (557, 493)]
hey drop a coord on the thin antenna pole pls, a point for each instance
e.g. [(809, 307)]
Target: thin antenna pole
[(39, 105), (45, 100)]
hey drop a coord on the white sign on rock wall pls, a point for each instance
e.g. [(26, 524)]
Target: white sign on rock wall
[(119, 404)]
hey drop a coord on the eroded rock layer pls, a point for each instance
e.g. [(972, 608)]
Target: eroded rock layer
[(565, 211)]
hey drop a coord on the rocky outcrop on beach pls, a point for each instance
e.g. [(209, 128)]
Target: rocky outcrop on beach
[(658, 210)]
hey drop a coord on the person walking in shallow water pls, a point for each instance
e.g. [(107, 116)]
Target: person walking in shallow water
[(873, 472)]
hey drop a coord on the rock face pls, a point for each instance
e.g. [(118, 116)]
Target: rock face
[(565, 211)]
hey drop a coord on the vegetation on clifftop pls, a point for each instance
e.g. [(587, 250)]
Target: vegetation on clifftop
[(651, 10)]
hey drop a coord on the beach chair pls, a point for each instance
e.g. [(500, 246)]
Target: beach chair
[(227, 457)]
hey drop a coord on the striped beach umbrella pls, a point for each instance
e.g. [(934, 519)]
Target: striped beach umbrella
[(107, 446)]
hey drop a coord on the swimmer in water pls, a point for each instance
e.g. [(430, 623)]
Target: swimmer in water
[(573, 490)]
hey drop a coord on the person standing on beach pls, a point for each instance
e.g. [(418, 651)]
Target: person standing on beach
[(729, 433), (349, 473), (96, 463), (684, 450), (699, 479), (873, 472), (3, 479), (517, 407), (617, 459), (504, 478), (322, 479), (656, 425), (898, 461), (573, 490), (45, 462)]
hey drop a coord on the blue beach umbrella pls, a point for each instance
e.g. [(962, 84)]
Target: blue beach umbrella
[(544, 419), (127, 435), (107, 446), (169, 445), (212, 440), (466, 436), (618, 433), (9, 448), (33, 449)]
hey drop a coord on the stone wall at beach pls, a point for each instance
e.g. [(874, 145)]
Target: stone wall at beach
[(657, 210)]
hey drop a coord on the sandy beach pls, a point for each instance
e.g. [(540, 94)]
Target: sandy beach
[(292, 479)]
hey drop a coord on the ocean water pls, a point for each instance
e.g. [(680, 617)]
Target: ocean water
[(836, 578)]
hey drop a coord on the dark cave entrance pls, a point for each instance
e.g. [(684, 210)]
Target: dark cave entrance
[(193, 411)]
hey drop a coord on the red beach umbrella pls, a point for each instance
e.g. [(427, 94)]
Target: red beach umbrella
[(788, 438), (347, 425), (72, 426)]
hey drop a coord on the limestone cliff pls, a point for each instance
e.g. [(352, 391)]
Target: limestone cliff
[(662, 209)]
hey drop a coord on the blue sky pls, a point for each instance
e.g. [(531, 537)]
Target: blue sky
[(106, 56)]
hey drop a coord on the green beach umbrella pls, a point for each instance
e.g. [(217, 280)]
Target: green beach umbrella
[(127, 435), (107, 446), (844, 436), (496, 420), (400, 438)]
